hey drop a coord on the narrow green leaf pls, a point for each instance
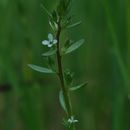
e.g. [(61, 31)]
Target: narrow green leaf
[(45, 9), (75, 24), (53, 25), (49, 53), (78, 87), (40, 69), (74, 46), (55, 16), (62, 101)]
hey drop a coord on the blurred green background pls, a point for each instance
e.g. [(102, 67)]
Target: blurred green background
[(29, 100)]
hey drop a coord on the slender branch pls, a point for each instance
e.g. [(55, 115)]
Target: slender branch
[(61, 76)]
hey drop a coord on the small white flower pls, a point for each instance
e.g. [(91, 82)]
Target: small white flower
[(71, 120), (50, 42)]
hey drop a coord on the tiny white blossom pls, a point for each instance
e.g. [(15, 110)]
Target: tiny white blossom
[(50, 42), (50, 45), (54, 41), (72, 120), (45, 42), (50, 37)]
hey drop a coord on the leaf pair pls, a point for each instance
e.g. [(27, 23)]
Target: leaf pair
[(61, 13), (61, 96), (63, 8)]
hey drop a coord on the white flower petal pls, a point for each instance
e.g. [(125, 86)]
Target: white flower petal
[(50, 45), (45, 42), (69, 120), (54, 41), (75, 121), (50, 37), (72, 120), (72, 117)]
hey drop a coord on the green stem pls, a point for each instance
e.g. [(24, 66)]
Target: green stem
[(61, 76)]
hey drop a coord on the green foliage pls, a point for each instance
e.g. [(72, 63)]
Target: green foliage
[(53, 25), (106, 58), (74, 25), (41, 69), (60, 20), (49, 53), (62, 101), (78, 86), (74, 46), (45, 9), (63, 8)]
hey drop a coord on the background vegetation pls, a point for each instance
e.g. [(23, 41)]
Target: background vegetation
[(29, 100)]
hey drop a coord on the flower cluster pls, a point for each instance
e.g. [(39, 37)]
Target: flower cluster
[(50, 42), (71, 120)]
